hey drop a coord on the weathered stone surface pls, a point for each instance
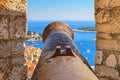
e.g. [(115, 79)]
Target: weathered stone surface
[(1, 63), (108, 52), (107, 28), (18, 49), (103, 36), (12, 32), (4, 22), (18, 61), (107, 78), (17, 73), (107, 16), (107, 71), (118, 59), (7, 68), (13, 19), (4, 33), (102, 3), (6, 12), (1, 75), (106, 3), (114, 17), (17, 27), (103, 78), (15, 5), (115, 36), (111, 61), (114, 3), (99, 56), (101, 15), (4, 27), (108, 45), (7, 48)]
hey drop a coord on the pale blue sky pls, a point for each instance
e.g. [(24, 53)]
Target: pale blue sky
[(60, 9)]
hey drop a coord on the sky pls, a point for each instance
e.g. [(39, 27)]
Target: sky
[(60, 9)]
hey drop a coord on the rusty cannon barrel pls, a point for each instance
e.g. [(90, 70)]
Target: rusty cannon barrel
[(60, 58)]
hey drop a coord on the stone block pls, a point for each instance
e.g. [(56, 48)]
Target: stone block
[(15, 5), (110, 15), (115, 36), (118, 57), (7, 67), (102, 78), (4, 22), (101, 15), (4, 34), (9, 48), (8, 12), (17, 27), (1, 63), (106, 3), (99, 57), (111, 61), (107, 72), (107, 28), (13, 19), (18, 61), (18, 49), (12, 32), (108, 52), (114, 17), (103, 36), (102, 3), (108, 45), (1, 75), (114, 3), (5, 49), (18, 73)]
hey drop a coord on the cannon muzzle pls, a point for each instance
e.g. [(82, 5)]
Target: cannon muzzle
[(60, 58)]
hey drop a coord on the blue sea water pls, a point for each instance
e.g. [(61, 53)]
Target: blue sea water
[(84, 40)]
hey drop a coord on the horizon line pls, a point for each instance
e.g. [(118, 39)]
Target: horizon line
[(61, 20)]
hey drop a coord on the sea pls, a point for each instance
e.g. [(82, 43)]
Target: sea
[(85, 40)]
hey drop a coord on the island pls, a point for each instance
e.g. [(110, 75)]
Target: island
[(32, 36), (85, 29)]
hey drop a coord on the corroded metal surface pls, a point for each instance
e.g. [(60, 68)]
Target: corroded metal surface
[(51, 28), (60, 58)]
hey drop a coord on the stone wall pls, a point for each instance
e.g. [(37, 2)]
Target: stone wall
[(107, 15), (12, 33)]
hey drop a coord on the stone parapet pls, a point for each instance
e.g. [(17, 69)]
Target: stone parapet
[(107, 15), (12, 32), (12, 19)]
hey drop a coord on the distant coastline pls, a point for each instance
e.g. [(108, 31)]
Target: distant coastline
[(85, 29), (32, 36)]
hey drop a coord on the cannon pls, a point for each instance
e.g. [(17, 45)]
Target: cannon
[(60, 59)]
